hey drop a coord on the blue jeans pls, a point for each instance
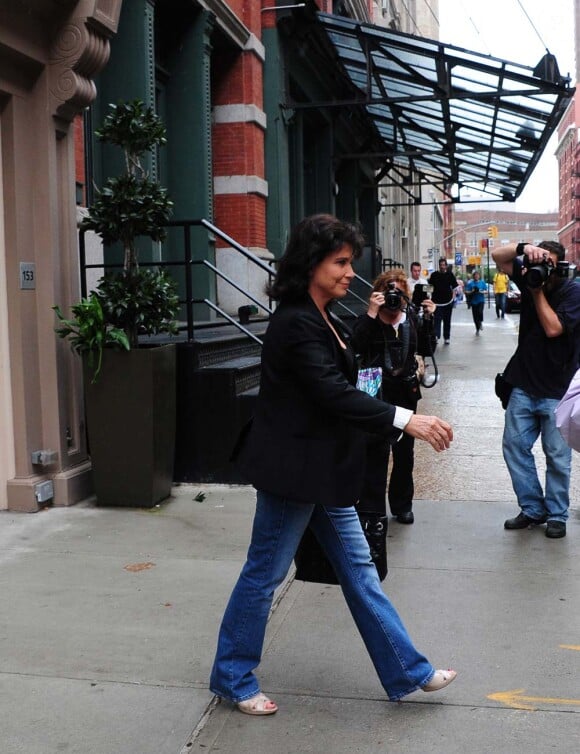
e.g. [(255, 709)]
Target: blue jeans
[(278, 528), (500, 303), (527, 418)]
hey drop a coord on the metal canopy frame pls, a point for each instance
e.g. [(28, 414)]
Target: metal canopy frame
[(442, 116)]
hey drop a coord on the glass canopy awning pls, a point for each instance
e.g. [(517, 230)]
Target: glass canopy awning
[(463, 122)]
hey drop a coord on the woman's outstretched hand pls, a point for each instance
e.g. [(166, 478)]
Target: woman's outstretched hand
[(432, 429)]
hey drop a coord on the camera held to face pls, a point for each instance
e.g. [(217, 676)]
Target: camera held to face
[(537, 274), (393, 298)]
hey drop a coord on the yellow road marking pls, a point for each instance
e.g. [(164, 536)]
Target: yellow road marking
[(576, 647), (518, 700)]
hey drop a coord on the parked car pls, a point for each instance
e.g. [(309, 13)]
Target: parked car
[(514, 298)]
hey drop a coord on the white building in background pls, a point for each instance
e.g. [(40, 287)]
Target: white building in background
[(409, 232)]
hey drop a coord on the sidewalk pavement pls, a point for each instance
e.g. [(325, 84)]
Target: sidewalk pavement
[(110, 616)]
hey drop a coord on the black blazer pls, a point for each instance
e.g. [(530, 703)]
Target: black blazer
[(307, 438)]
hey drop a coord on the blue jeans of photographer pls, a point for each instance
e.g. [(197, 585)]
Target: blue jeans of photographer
[(526, 419), (277, 530)]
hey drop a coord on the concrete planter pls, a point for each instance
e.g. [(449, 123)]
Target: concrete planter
[(131, 426)]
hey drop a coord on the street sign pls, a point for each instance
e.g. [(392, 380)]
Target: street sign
[(458, 258)]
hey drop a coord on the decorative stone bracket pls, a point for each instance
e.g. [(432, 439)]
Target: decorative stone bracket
[(79, 51)]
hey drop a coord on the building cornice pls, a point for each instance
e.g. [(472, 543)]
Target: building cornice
[(254, 45), (569, 135), (227, 20), (80, 50)]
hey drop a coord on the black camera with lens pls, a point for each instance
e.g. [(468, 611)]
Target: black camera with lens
[(537, 274), (393, 298), (421, 292)]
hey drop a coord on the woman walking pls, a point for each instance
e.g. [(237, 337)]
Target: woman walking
[(304, 453)]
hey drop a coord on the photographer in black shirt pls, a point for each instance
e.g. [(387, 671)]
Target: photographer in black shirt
[(539, 372)]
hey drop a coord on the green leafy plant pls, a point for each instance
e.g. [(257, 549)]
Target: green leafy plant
[(144, 301), (131, 204), (135, 301), (89, 333)]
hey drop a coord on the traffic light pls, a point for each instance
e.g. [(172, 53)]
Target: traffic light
[(492, 231)]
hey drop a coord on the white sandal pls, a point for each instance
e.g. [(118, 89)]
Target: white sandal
[(441, 678), (258, 705)]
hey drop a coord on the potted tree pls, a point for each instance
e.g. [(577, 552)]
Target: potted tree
[(129, 389)]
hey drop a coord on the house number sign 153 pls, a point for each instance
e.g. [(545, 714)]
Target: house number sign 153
[(27, 276)]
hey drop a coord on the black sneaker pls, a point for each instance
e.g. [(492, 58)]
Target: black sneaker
[(556, 529), (521, 521)]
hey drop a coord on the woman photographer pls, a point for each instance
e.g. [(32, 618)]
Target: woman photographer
[(304, 453), (395, 336)]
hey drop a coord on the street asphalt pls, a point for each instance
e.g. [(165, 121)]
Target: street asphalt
[(110, 615)]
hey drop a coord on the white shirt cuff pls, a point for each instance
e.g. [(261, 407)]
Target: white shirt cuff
[(402, 417)]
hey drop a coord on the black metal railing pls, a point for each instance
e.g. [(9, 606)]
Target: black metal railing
[(188, 264), (388, 264)]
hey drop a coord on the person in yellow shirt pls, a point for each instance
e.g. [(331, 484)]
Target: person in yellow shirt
[(500, 289)]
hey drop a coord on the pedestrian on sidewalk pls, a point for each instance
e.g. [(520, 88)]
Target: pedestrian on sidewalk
[(459, 293), (415, 279), (444, 286), (546, 358), (304, 453), (476, 287), (394, 336), (500, 289)]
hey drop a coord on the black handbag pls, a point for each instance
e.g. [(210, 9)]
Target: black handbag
[(503, 389), (313, 565), (375, 527)]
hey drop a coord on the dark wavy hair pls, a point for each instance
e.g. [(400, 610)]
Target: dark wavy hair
[(313, 239), (554, 248)]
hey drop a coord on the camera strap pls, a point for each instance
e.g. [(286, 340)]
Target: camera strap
[(398, 348)]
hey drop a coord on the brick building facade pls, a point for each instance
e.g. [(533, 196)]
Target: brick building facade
[(219, 74), (568, 155), (474, 226)]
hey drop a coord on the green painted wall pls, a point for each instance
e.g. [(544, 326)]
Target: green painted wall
[(277, 147), (187, 93), (178, 87), (127, 76)]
